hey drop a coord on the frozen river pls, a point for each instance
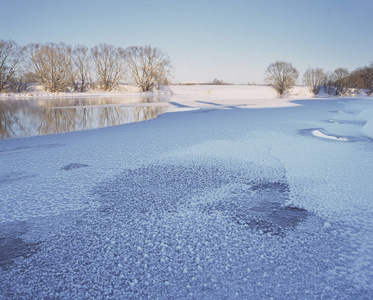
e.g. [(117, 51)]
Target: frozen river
[(217, 202)]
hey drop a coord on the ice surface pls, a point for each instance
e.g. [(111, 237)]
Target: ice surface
[(231, 203)]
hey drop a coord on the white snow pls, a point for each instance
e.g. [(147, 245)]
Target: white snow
[(368, 129), (245, 95), (37, 91), (215, 201), (367, 115), (318, 133), (234, 95)]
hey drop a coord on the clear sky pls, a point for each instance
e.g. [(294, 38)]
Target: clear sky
[(230, 40)]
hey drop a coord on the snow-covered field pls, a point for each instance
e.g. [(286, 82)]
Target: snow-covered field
[(218, 201), (36, 91)]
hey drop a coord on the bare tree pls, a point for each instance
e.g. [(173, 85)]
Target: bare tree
[(109, 65), (314, 79), (282, 75), (10, 57), (51, 65), (366, 76), (328, 85), (341, 81), (217, 82), (81, 65), (148, 66), (355, 80), (10, 120)]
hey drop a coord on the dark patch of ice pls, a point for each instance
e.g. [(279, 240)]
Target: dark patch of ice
[(14, 176), (288, 216), (279, 186), (167, 189), (348, 122), (308, 131), (73, 166), (12, 248), (22, 148), (160, 188), (265, 212), (25, 148), (265, 219), (350, 112), (51, 145)]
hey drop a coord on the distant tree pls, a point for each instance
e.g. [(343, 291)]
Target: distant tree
[(366, 76), (10, 57), (50, 64), (314, 79), (281, 75), (217, 82), (355, 80), (148, 66), (328, 85), (81, 65), (108, 65), (341, 80)]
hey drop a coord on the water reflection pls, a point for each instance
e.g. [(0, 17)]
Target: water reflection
[(92, 101), (21, 118)]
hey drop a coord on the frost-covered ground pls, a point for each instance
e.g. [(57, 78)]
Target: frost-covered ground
[(218, 202)]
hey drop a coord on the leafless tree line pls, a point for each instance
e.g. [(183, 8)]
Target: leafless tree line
[(282, 76), (339, 82), (10, 58), (148, 66), (60, 67)]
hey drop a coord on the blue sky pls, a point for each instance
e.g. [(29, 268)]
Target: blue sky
[(230, 40)]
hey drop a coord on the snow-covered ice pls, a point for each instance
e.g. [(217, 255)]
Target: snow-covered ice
[(368, 129), (219, 201), (318, 133)]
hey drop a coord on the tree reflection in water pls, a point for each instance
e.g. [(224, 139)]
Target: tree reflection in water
[(10, 122), (39, 117)]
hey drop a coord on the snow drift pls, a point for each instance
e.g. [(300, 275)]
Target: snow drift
[(367, 115)]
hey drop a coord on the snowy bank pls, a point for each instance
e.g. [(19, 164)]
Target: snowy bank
[(207, 91), (215, 96), (236, 91), (36, 91), (367, 130), (216, 92), (367, 115)]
